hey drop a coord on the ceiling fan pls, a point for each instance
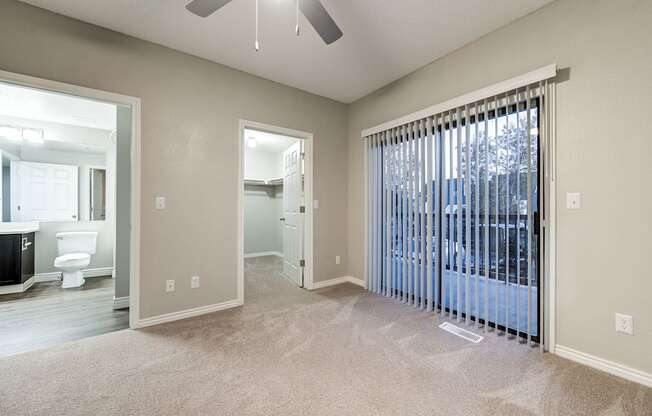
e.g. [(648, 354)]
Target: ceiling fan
[(313, 10)]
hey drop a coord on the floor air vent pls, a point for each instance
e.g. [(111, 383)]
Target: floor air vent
[(461, 332)]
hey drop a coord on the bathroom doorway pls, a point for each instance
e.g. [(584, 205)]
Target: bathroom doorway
[(67, 183), (275, 208)]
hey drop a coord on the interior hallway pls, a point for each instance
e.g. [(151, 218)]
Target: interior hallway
[(335, 351)]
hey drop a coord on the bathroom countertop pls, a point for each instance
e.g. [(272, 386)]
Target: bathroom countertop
[(18, 227)]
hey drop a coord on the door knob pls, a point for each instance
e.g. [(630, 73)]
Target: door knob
[(282, 219)]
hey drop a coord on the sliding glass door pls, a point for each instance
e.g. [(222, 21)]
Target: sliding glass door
[(490, 242), (454, 213)]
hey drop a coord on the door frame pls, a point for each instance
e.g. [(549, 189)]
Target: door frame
[(134, 103), (308, 198)]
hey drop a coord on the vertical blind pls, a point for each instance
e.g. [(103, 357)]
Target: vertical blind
[(454, 204)]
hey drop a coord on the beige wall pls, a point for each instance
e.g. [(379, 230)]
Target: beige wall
[(190, 111), (604, 151)]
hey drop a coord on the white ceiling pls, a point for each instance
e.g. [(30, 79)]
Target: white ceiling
[(268, 142), (32, 104), (383, 39)]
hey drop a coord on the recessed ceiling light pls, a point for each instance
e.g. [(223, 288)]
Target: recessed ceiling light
[(252, 143), (33, 135)]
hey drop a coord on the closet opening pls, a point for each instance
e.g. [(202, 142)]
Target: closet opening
[(275, 209)]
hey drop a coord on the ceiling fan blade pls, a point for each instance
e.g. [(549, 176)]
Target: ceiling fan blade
[(205, 8), (320, 20)]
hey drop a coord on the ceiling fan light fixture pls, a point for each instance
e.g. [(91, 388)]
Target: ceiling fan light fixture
[(313, 11), (256, 44), (296, 29)]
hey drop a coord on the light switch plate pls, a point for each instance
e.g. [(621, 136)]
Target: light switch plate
[(169, 285), (194, 282), (338, 259), (315, 204), (573, 200), (159, 202)]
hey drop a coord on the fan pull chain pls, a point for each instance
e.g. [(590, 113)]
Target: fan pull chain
[(256, 44), (297, 27)]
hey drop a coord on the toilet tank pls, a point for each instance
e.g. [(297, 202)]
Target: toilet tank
[(77, 242)]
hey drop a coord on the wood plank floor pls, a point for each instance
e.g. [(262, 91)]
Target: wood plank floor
[(46, 315)]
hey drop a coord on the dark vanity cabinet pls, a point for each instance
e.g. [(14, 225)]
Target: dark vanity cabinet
[(16, 258)]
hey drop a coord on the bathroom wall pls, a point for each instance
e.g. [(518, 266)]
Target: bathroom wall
[(122, 183)]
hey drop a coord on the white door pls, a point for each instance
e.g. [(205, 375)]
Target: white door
[(293, 217), (44, 192)]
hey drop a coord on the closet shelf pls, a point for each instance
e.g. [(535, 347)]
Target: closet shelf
[(260, 182)]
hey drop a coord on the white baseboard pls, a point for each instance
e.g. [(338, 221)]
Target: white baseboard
[(188, 313), (47, 277), (338, 281), (121, 303), (263, 254), (100, 271), (19, 288), (610, 367), (357, 281), (54, 276)]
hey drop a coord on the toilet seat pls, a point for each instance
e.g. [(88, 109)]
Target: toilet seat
[(72, 260)]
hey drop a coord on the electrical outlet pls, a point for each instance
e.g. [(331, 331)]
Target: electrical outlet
[(338, 260), (624, 324), (573, 200), (169, 285), (194, 282)]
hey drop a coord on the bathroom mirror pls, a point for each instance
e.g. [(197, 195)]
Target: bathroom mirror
[(56, 182), (97, 194)]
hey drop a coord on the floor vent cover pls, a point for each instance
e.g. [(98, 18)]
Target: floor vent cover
[(461, 332)]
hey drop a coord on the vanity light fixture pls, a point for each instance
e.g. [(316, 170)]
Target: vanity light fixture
[(33, 135), (10, 133), (17, 134)]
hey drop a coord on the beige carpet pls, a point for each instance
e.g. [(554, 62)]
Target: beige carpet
[(337, 351)]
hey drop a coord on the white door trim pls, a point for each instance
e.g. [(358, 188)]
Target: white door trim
[(134, 104), (308, 196), (550, 226)]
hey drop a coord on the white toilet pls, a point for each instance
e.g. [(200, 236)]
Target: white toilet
[(74, 250)]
